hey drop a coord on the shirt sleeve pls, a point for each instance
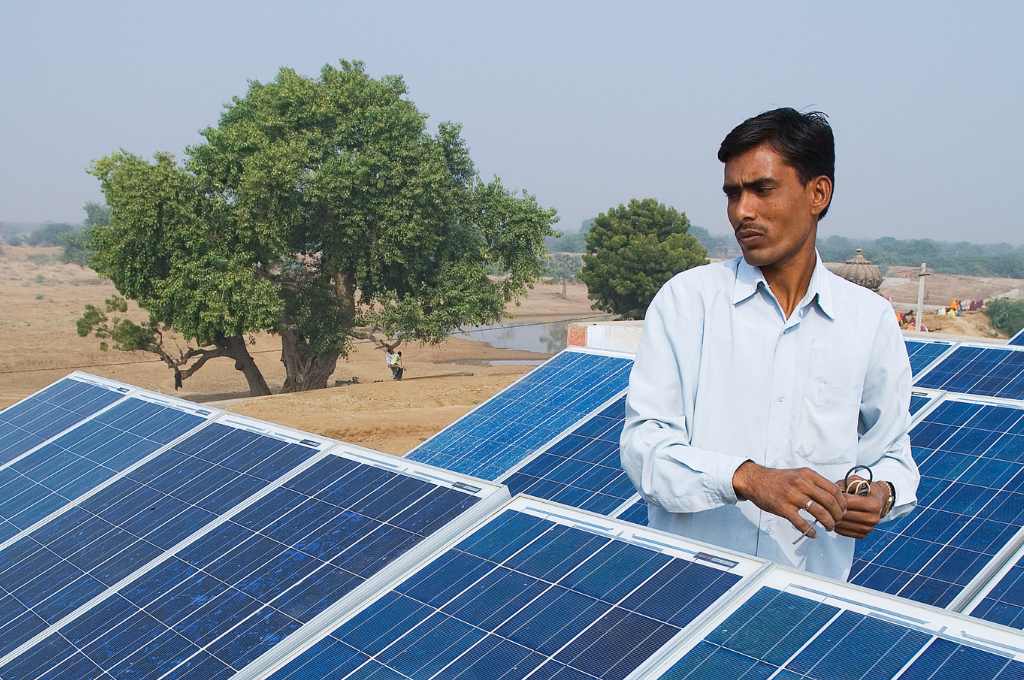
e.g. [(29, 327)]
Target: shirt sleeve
[(655, 444), (885, 416)]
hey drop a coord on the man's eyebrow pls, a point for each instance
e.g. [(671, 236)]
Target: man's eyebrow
[(759, 183)]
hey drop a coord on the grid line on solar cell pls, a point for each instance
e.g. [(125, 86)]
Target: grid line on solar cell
[(524, 595), (1017, 340), (501, 432), (783, 635), (924, 352), (50, 573), (918, 402), (49, 412), (582, 469), (47, 479), (1004, 604), (970, 505), (985, 371), (294, 553)]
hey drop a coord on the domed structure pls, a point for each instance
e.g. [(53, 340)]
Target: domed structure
[(858, 269)]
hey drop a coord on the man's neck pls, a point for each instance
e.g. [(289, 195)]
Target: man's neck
[(790, 278)]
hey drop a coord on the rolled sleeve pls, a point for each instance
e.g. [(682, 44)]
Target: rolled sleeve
[(885, 417), (655, 445)]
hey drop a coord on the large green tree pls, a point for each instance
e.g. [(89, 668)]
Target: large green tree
[(632, 250), (322, 210)]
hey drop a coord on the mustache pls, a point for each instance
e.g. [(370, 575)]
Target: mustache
[(750, 229)]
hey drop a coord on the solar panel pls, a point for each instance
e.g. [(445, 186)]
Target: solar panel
[(100, 539), (1001, 600), (537, 588), (504, 430), (635, 512), (231, 594), (91, 453), (923, 352), (795, 625), (919, 400), (970, 506), (50, 411), (1018, 339), (981, 370), (581, 468)]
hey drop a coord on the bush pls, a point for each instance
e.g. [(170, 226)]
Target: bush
[(1006, 315)]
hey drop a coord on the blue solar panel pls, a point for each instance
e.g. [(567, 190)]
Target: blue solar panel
[(1018, 339), (32, 421), (635, 513), (1004, 603), (86, 456), (918, 401), (522, 418), (924, 352), (789, 635), (523, 594), (988, 371), (583, 468), (95, 543), (231, 595), (970, 505)]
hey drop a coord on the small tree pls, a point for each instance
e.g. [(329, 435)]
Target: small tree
[(321, 210), (632, 250), (1006, 315)]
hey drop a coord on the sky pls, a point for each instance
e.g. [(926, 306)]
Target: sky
[(583, 104)]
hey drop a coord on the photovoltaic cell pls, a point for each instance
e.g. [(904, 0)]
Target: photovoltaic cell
[(987, 371), (635, 513), (53, 570), (970, 505), (86, 456), (1018, 339), (522, 418), (32, 421), (1004, 603), (918, 401), (522, 595), (234, 593), (924, 352), (794, 636), (583, 468)]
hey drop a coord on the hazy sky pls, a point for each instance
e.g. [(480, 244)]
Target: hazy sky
[(583, 104)]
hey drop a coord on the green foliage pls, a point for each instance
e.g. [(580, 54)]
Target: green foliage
[(971, 259), (322, 209), (569, 242), (1006, 315), (563, 266), (127, 336), (632, 250), (51, 234)]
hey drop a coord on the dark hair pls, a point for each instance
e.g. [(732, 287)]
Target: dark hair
[(804, 140)]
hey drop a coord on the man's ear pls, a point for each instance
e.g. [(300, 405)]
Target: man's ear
[(820, 189)]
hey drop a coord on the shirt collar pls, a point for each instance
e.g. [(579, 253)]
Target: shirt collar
[(749, 277)]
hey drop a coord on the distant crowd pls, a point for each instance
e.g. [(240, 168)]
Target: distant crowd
[(956, 306)]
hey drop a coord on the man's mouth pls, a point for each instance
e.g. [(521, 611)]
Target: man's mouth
[(749, 235)]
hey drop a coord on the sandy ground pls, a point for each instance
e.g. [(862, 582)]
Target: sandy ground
[(38, 345)]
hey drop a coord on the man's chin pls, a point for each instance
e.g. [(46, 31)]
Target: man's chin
[(757, 257)]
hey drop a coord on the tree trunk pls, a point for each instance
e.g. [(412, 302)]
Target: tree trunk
[(304, 370), (236, 349)]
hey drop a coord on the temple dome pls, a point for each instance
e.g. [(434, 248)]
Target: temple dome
[(858, 269)]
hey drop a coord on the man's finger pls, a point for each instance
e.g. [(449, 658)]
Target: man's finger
[(830, 489), (863, 504), (866, 518), (826, 500), (801, 525), (851, 532), (820, 513)]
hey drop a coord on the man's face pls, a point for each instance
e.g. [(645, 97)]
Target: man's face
[(772, 212)]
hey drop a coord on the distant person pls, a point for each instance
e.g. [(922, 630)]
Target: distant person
[(389, 361), (397, 367), (761, 380)]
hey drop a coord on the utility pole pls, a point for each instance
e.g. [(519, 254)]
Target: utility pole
[(920, 296)]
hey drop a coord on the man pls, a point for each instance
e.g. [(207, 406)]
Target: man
[(761, 381)]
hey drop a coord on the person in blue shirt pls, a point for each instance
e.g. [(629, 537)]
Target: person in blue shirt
[(760, 381)]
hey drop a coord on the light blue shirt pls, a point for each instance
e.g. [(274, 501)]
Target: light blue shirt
[(721, 376)]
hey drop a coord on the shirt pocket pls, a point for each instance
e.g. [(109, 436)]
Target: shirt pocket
[(829, 410)]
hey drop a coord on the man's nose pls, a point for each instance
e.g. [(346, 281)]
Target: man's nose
[(745, 208)]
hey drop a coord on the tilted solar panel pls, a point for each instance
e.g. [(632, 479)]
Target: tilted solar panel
[(635, 512), (581, 469), (794, 625), (48, 574), (1018, 339), (923, 352), (493, 438), (1001, 600), (231, 594), (970, 506), (93, 452), (538, 589), (50, 411), (919, 400), (981, 370)]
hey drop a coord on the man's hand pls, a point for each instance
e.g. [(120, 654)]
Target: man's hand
[(784, 492), (862, 512)]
